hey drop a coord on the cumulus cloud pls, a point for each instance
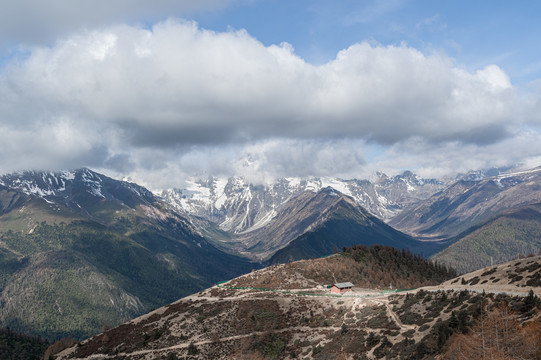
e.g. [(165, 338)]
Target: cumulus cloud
[(271, 159), (257, 162), (176, 95), (264, 161), (445, 159)]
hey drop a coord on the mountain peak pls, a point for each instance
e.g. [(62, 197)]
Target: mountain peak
[(75, 187), (238, 206), (330, 191)]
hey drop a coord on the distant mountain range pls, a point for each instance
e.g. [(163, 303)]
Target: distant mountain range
[(315, 224), (343, 223), (469, 202), (492, 219), (258, 219), (237, 206)]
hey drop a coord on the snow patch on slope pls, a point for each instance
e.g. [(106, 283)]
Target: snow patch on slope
[(219, 193), (336, 184)]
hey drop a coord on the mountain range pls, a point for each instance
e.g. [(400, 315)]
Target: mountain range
[(314, 224), (484, 221), (439, 212), (237, 206), (510, 234), (80, 251), (469, 202)]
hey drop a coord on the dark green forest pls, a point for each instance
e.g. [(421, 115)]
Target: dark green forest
[(17, 346)]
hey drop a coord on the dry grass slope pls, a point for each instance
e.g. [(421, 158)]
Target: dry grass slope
[(366, 267)]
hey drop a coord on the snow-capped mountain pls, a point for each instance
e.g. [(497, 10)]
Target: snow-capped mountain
[(105, 249), (74, 188), (467, 203), (239, 207), (478, 175)]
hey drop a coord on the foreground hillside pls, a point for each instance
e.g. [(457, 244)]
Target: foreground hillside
[(370, 267), (240, 320), (290, 318), (516, 276), (244, 324)]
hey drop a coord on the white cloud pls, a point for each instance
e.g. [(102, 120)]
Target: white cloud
[(258, 162), (495, 77), (445, 159), (179, 97)]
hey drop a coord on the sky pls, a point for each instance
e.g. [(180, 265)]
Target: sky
[(165, 90)]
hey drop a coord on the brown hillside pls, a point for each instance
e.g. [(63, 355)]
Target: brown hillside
[(230, 323), (374, 267)]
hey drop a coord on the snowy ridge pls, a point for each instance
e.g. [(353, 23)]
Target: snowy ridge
[(518, 173), (66, 186), (469, 202), (42, 184), (240, 207)]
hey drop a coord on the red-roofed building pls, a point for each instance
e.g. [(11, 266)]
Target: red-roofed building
[(341, 288)]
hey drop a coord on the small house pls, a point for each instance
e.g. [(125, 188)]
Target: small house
[(341, 288)]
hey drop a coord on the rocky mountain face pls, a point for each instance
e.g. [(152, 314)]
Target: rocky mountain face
[(467, 203), (315, 224), (297, 316), (295, 217), (239, 207), (344, 223), (87, 251)]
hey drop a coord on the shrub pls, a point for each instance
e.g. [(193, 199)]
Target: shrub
[(271, 346), (371, 341), (192, 349)]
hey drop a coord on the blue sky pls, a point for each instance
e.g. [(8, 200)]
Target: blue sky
[(161, 91), (474, 33)]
